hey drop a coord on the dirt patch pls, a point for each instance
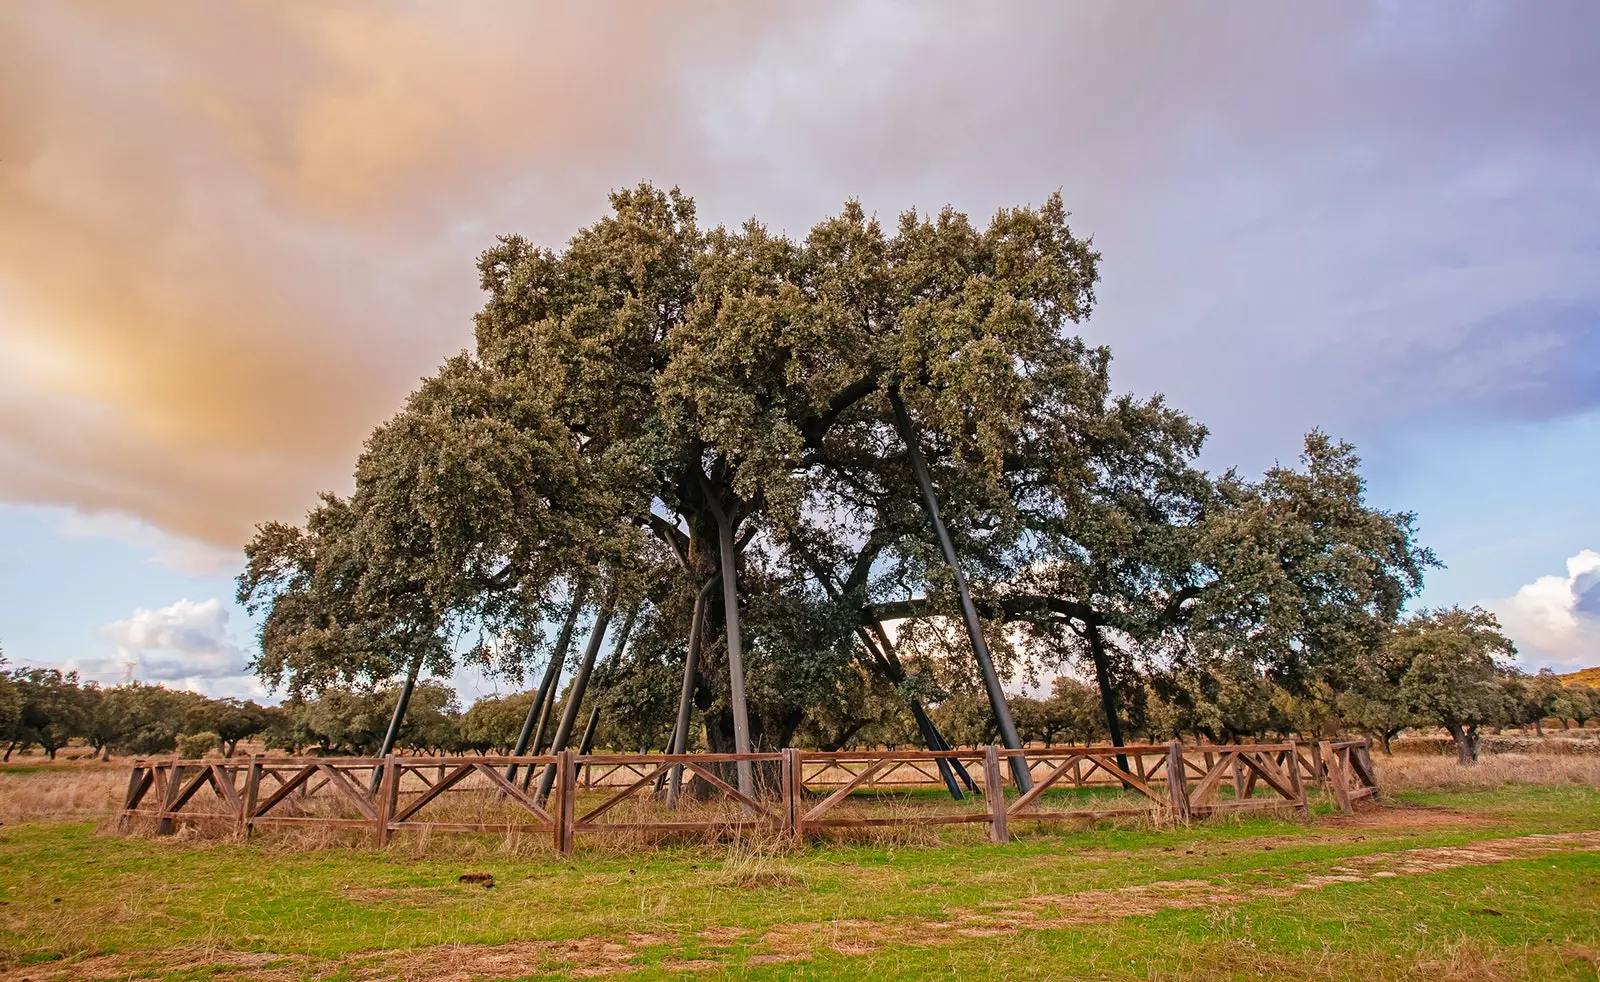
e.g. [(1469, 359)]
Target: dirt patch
[(1408, 817), (228, 966)]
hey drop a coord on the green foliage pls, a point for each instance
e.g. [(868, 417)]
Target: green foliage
[(10, 706), (231, 720), (491, 724), (1455, 662), (53, 708), (634, 394), (192, 746), (143, 719)]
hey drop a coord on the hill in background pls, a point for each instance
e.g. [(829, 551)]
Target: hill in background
[(1583, 676)]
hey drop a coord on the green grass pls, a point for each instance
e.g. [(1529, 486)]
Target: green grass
[(70, 893)]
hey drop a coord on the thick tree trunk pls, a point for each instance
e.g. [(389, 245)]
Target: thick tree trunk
[(569, 715), (1466, 738), (552, 672), (969, 613)]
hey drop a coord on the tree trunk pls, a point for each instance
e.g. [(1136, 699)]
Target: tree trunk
[(552, 672), (1466, 738), (569, 716), (969, 613)]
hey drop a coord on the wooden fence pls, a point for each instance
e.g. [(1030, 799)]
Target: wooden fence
[(804, 792)]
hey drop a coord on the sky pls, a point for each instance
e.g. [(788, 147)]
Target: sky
[(234, 235)]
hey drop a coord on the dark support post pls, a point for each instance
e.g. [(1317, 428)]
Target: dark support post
[(569, 715), (587, 743), (607, 673), (885, 660), (930, 732), (730, 603), (969, 613), (399, 716), (1108, 698), (679, 744), (934, 741), (552, 672)]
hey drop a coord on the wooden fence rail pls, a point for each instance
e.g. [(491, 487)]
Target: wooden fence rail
[(803, 792)]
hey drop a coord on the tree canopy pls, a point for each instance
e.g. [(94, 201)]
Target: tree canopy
[(821, 424)]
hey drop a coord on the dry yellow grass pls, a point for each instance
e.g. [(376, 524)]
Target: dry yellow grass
[(1425, 773), (62, 791)]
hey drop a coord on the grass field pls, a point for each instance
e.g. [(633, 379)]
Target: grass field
[(1474, 874)]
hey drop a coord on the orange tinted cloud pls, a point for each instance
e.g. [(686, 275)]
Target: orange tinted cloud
[(233, 235)]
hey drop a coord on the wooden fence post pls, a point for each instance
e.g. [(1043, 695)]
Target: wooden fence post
[(1366, 764), (1335, 771), (129, 799), (994, 791), (1296, 784), (789, 814), (566, 765), (252, 792), (388, 793), (1177, 783), (170, 799)]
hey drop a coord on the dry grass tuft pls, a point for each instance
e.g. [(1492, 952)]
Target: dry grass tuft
[(753, 863)]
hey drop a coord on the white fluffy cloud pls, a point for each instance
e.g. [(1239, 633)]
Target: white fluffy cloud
[(1555, 620), (184, 644)]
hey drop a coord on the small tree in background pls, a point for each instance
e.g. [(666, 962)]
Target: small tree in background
[(141, 719), (10, 707), (231, 720), (54, 709), (1455, 663)]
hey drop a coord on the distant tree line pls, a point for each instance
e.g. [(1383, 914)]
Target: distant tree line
[(47, 708), (1438, 669)]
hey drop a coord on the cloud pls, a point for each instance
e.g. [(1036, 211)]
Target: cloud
[(185, 643), (186, 555), (1555, 620), (233, 236)]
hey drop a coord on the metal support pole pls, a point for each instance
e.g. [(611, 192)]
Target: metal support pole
[(969, 613), (395, 720), (569, 715), (679, 744), (730, 602), (552, 672)]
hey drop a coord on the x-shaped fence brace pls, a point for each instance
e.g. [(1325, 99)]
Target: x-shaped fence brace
[(800, 791)]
